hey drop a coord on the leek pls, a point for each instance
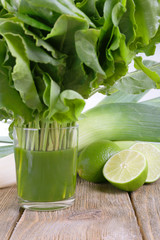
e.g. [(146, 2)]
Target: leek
[(127, 144), (120, 122)]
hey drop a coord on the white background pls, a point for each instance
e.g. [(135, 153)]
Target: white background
[(91, 102)]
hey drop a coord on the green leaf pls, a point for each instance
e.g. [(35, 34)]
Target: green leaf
[(117, 13), (146, 16), (127, 24), (7, 6), (63, 107), (32, 22), (150, 48), (10, 99), (43, 14), (2, 51), (23, 80), (93, 9), (63, 33), (33, 52), (107, 28), (51, 93), (39, 42), (61, 6), (151, 74), (77, 76), (86, 43), (137, 82), (117, 55), (5, 114), (68, 107)]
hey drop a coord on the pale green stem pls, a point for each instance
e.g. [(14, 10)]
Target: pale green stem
[(28, 137), (56, 136), (35, 139), (41, 136), (61, 135), (53, 136), (45, 137)]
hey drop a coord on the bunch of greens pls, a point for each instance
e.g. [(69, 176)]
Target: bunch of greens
[(53, 54)]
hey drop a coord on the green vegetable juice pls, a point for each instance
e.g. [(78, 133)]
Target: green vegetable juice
[(46, 176)]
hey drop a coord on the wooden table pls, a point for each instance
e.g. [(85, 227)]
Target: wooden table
[(100, 212)]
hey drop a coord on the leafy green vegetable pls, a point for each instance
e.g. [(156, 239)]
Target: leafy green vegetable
[(53, 54)]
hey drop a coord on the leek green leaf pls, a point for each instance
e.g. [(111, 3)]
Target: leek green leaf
[(121, 97), (153, 102), (121, 122)]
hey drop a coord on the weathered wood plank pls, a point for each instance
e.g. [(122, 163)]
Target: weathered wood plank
[(146, 201), (9, 211), (100, 212)]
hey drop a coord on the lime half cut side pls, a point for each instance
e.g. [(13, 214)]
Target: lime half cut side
[(126, 170), (152, 155)]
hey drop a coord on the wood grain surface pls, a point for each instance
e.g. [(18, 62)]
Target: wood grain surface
[(9, 212), (146, 202), (100, 212)]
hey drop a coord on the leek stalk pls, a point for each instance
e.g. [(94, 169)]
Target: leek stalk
[(120, 122)]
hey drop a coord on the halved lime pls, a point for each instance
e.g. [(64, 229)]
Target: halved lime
[(152, 155), (126, 170)]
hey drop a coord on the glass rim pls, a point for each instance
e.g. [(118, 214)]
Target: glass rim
[(37, 129)]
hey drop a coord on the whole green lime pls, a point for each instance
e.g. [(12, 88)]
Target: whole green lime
[(92, 159)]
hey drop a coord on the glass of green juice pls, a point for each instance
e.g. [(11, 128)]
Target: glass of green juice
[(46, 167)]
